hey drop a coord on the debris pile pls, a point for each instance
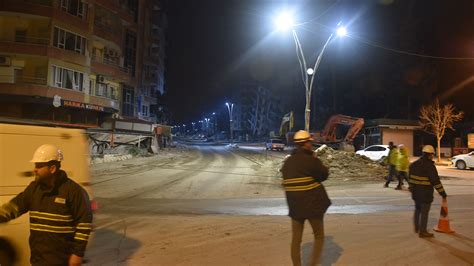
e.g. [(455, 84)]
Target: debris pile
[(348, 165)]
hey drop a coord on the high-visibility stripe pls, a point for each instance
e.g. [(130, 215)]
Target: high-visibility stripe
[(50, 231), (420, 178), (425, 183), (45, 214), (81, 235), (49, 219), (297, 180), (83, 228), (80, 238), (302, 188), (50, 228)]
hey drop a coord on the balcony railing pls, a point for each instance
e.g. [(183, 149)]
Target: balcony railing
[(25, 39), (111, 61), (40, 2), (22, 79)]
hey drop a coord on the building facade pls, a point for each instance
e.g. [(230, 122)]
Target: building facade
[(79, 62)]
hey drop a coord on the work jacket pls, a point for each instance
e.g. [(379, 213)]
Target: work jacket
[(60, 219), (393, 156), (402, 161), (302, 177), (423, 177)]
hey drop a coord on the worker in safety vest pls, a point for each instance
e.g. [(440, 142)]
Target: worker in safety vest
[(59, 209), (391, 160), (402, 165), (307, 199), (423, 177)]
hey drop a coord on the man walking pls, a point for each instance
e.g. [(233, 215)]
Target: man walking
[(306, 197), (60, 212), (402, 165), (392, 163), (423, 177)]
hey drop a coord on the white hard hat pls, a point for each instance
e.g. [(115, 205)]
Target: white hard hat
[(302, 136), (428, 149), (46, 153)]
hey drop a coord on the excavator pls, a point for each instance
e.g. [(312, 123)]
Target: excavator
[(287, 124), (339, 132)]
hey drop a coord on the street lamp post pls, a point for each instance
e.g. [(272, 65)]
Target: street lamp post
[(230, 108), (285, 22), (207, 126)]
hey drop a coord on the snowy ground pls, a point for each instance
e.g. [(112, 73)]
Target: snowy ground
[(141, 222)]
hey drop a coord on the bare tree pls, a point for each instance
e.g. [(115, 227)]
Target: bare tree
[(435, 119)]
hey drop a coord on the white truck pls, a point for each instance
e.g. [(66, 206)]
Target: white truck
[(17, 145)]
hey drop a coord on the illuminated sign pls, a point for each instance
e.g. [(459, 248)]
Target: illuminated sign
[(470, 141), (83, 106)]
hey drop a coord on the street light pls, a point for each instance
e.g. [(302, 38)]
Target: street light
[(230, 108), (285, 22), (215, 123)]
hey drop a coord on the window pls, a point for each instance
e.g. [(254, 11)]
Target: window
[(145, 110), (68, 79), (69, 41), (91, 86), (74, 7)]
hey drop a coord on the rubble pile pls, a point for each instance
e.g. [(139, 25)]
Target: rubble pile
[(348, 165)]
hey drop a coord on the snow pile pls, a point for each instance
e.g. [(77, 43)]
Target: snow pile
[(348, 165)]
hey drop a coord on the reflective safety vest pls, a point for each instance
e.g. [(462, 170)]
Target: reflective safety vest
[(300, 183), (425, 181)]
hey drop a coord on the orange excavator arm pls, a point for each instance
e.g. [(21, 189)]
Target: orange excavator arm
[(329, 132)]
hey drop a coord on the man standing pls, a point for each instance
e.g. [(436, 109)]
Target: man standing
[(392, 163), (60, 212), (306, 197), (423, 178)]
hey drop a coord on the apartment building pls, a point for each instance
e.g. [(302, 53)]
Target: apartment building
[(79, 62)]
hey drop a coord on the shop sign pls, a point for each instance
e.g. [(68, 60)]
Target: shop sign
[(83, 106)]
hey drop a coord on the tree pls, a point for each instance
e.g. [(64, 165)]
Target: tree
[(435, 119)]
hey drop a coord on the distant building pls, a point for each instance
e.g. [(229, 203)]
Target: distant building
[(77, 63)]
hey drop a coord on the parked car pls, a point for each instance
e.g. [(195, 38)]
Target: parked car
[(463, 161), (374, 152), (275, 144)]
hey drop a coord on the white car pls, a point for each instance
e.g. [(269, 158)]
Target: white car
[(374, 152), (463, 161)]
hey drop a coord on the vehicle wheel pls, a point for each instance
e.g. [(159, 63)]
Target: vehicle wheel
[(7, 253), (461, 165)]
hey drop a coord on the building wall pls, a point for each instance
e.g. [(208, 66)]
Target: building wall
[(398, 136), (29, 40)]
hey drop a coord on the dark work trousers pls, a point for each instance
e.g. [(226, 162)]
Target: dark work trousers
[(297, 230), (420, 218), (392, 172), (402, 175)]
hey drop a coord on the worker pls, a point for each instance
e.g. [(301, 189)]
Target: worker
[(423, 177), (306, 197), (59, 209), (402, 165), (391, 160)]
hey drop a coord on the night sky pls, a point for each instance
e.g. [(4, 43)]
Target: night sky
[(215, 46)]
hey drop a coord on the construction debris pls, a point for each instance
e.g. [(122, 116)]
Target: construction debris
[(347, 165)]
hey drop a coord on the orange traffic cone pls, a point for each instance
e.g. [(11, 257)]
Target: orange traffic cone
[(443, 224)]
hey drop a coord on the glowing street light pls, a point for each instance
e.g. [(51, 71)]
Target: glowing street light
[(230, 108), (284, 22)]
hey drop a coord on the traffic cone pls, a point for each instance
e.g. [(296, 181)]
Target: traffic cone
[(443, 224)]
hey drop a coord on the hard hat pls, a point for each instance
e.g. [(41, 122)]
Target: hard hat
[(46, 153), (401, 146), (428, 149), (302, 136)]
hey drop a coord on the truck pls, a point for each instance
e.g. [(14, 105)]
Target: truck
[(339, 132)]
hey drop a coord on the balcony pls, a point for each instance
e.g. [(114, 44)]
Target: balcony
[(110, 66), (23, 79)]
